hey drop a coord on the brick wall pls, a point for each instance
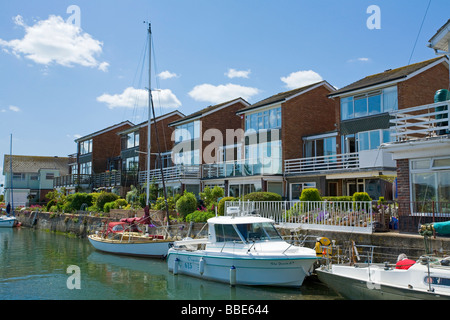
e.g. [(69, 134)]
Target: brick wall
[(420, 89), (308, 114), (104, 146)]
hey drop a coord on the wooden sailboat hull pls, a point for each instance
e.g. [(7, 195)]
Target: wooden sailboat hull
[(149, 248)]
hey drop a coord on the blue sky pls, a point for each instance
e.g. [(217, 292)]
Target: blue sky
[(58, 82)]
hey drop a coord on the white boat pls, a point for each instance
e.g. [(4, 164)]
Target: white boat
[(243, 250), (427, 278), (8, 222), (123, 239)]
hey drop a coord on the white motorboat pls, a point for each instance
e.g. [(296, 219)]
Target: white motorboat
[(427, 278), (243, 250), (125, 239), (8, 222)]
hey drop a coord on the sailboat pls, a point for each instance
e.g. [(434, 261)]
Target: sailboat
[(125, 237), (7, 221)]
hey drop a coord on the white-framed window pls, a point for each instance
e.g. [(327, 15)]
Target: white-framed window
[(49, 176), (295, 189), (86, 168), (267, 119), (18, 176), (370, 103), (86, 146), (430, 179), (132, 139), (131, 164), (371, 140), (187, 131)]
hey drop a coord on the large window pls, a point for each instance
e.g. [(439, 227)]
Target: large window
[(132, 139), (86, 168), (370, 140), (187, 131), (267, 119), (131, 164), (374, 102), (320, 147), (86, 146), (263, 158), (430, 179)]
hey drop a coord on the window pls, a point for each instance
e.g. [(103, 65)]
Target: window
[(320, 147), (86, 168), (188, 131), (49, 176), (370, 140), (34, 177), (86, 146), (370, 103), (19, 176), (132, 140), (430, 179), (268, 119), (297, 188), (226, 232), (131, 164)]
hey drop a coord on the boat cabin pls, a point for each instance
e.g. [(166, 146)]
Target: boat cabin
[(242, 229)]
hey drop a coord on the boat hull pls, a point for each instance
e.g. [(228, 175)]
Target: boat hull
[(8, 222), (150, 249), (240, 269), (359, 288)]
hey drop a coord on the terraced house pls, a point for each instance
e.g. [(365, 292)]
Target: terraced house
[(349, 159)]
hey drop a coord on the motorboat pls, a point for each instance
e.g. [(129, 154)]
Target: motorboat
[(8, 222), (125, 238), (242, 250), (426, 278)]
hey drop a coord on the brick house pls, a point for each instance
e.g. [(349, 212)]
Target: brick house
[(363, 113), (200, 140), (272, 131)]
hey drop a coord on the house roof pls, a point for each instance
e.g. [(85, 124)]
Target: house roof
[(440, 40), (32, 164), (91, 135), (145, 123), (388, 75), (207, 110), (283, 96)]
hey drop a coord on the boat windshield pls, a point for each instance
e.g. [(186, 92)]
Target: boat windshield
[(258, 231)]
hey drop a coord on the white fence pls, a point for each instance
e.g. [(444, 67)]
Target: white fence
[(348, 216)]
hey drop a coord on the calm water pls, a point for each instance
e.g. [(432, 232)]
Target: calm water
[(34, 263)]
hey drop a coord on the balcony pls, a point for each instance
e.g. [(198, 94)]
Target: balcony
[(345, 161), (72, 181), (420, 122), (241, 168), (171, 173)]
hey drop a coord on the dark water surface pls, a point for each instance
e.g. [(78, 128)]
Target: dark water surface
[(37, 265)]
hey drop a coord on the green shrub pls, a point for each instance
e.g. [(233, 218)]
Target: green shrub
[(338, 198), (310, 194), (262, 196), (120, 203), (199, 216), (105, 197), (160, 204), (221, 205), (361, 196), (75, 201), (108, 206), (186, 204), (210, 196)]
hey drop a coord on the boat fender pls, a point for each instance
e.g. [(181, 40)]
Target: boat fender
[(175, 266), (201, 266), (323, 247), (232, 276)]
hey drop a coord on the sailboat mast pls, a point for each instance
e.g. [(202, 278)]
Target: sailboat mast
[(11, 190), (149, 110)]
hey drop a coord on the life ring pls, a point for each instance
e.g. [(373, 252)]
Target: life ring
[(323, 247)]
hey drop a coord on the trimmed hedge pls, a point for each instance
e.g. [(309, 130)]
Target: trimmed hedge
[(221, 205), (262, 196)]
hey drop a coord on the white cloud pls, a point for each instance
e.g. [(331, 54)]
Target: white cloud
[(14, 108), (167, 75), (301, 78), (233, 73), (221, 93), (132, 97), (359, 60), (53, 41)]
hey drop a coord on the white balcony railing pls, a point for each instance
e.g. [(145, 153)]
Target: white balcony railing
[(171, 173), (344, 161), (420, 122), (240, 168)]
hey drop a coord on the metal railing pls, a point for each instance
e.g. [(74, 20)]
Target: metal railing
[(240, 168), (343, 161), (420, 122), (354, 216), (72, 180), (171, 173)]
